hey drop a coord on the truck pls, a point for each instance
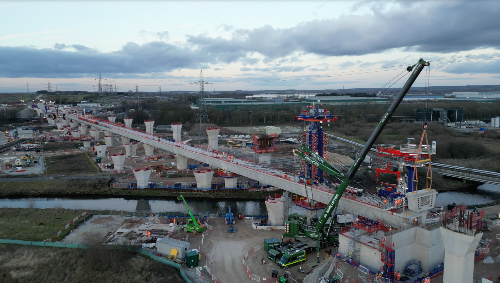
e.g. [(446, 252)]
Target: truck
[(345, 218), (296, 226)]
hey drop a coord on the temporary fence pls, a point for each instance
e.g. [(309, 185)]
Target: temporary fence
[(116, 247), (72, 224)]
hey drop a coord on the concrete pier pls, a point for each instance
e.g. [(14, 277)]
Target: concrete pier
[(182, 162), (109, 140), (149, 126), (73, 124), (86, 143), (118, 160), (83, 129), (459, 256), (51, 121), (65, 122), (265, 158), (133, 148), (59, 125), (275, 212), (142, 177), (204, 178), (108, 133), (128, 149), (128, 122), (95, 134), (176, 129), (148, 149), (125, 140), (75, 133), (101, 150), (231, 183), (213, 137), (112, 119)]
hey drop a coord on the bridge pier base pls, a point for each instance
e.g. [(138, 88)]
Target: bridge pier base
[(231, 182), (86, 144), (459, 252), (182, 162), (125, 140), (101, 150), (275, 209), (265, 158), (203, 178), (148, 149)]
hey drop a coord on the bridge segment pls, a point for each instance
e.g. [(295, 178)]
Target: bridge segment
[(272, 177)]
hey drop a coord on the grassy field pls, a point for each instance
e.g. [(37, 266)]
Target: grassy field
[(54, 146), (33, 224), (43, 264), (54, 188), (74, 163), (16, 97)]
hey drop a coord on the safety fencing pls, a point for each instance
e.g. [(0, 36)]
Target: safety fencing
[(80, 218), (252, 276), (115, 247)]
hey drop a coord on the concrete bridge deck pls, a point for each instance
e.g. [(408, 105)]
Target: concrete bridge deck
[(272, 177)]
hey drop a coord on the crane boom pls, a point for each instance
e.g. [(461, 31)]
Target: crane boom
[(189, 210), (417, 68), (318, 161)]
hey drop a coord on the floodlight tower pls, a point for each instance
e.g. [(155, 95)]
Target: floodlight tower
[(315, 139)]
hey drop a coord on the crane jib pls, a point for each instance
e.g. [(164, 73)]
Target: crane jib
[(318, 161)]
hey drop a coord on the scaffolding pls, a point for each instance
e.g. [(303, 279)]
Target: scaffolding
[(369, 225), (316, 140), (287, 204), (387, 257), (354, 245)]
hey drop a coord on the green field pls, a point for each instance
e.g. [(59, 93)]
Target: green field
[(44, 264), (33, 224), (74, 163)]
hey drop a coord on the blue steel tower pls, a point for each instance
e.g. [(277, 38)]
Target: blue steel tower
[(315, 139)]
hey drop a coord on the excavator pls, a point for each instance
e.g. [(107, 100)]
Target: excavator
[(191, 224), (296, 226)]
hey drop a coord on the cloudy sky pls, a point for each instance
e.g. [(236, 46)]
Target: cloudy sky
[(247, 45)]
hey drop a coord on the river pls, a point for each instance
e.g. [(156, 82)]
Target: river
[(486, 194)]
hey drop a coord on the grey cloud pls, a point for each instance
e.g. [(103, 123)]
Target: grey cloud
[(474, 67), (245, 69), (430, 26), (289, 68), (133, 60)]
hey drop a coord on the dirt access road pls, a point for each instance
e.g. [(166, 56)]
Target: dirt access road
[(224, 252)]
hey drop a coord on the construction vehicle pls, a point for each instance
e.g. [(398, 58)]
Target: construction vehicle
[(233, 143), (18, 162), (345, 218), (229, 216), (191, 223), (230, 220), (296, 226)]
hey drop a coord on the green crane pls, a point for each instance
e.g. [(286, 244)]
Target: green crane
[(191, 224), (317, 232)]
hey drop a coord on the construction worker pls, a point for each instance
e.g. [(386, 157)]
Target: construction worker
[(390, 229), (399, 275)]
